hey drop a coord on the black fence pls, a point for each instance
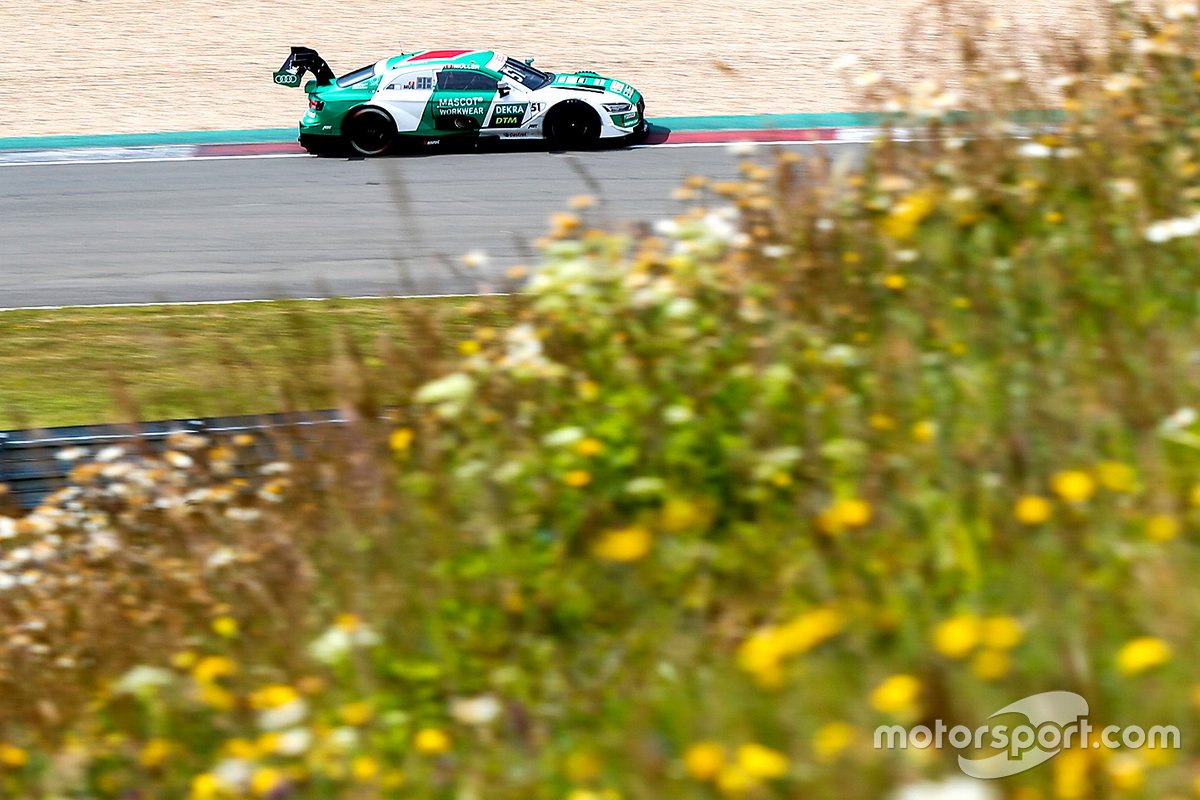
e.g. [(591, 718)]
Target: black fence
[(31, 469)]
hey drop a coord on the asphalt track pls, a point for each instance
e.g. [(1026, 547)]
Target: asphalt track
[(261, 228)]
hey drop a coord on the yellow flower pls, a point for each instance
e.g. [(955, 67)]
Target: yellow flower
[(265, 780), (1002, 632), (577, 478), (12, 756), (184, 659), (355, 714), (1071, 775), (831, 741), (431, 741), (214, 696), (895, 281), (212, 668), (1053, 217), (348, 622), (274, 696), (704, 760), (155, 753), (1074, 486), (401, 440), (589, 447), (364, 769), (469, 347), (844, 514), (896, 695), (881, 422), (623, 545), (241, 748), (1126, 772), (1032, 509), (958, 636), (206, 786), (764, 651), (1142, 654), (908, 213), (734, 781), (226, 627), (991, 665), (1116, 477), (761, 762), (924, 432), (1162, 527)]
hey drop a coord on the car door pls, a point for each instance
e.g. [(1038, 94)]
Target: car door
[(406, 96), (462, 98)]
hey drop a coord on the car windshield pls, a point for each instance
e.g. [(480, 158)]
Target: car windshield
[(359, 75), (526, 75)]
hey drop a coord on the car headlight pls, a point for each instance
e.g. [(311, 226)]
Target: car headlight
[(618, 108)]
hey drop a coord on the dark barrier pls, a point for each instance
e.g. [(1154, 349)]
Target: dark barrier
[(31, 469)]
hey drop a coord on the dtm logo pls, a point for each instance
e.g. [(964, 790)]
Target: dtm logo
[(287, 79)]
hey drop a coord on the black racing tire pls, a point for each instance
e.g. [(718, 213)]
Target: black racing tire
[(573, 125), (369, 131)]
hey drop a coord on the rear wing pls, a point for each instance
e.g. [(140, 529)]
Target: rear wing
[(304, 59)]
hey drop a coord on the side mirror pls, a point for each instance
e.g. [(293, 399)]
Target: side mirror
[(529, 61), (504, 88)]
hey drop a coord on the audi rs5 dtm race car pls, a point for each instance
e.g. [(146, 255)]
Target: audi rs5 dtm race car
[(435, 94)]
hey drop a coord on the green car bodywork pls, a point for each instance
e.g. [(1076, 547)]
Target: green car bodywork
[(431, 95)]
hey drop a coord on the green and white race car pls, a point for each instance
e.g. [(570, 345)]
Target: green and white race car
[(432, 95)]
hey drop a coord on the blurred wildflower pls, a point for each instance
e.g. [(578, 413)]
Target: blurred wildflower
[(1032, 509), (577, 478), (1142, 654), (897, 695), (1074, 486), (704, 760), (831, 740), (958, 636), (843, 515), (13, 757), (924, 432), (431, 741), (907, 214), (401, 440), (1162, 527), (480, 710), (623, 545), (761, 762)]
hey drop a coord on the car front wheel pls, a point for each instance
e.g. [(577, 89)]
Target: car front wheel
[(369, 132), (573, 126)]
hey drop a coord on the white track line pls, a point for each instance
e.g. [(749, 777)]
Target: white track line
[(166, 304)]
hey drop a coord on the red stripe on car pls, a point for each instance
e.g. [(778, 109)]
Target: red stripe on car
[(439, 54)]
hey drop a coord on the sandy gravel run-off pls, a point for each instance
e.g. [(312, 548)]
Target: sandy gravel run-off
[(124, 66)]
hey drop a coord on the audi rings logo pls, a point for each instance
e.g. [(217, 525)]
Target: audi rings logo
[(287, 79)]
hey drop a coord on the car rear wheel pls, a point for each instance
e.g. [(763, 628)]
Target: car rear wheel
[(573, 126), (369, 132)]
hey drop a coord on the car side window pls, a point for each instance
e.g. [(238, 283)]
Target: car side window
[(462, 80), (421, 81)]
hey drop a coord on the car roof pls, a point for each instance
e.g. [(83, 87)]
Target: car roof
[(479, 59)]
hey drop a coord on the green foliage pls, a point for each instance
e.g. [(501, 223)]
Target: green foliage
[(834, 449)]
